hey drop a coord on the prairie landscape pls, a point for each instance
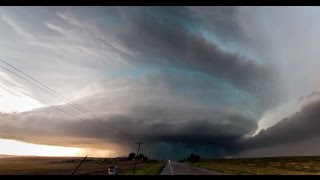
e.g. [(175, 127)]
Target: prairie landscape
[(264, 166), (33, 165)]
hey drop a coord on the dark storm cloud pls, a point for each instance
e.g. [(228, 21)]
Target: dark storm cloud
[(190, 127), (160, 41), (219, 133), (223, 21), (169, 43), (166, 128), (165, 37), (301, 126), (194, 133)]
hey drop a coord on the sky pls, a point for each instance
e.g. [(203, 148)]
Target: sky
[(217, 81)]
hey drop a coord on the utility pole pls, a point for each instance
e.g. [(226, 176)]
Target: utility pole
[(79, 165), (158, 156), (135, 161)]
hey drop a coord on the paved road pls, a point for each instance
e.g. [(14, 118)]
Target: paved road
[(174, 168)]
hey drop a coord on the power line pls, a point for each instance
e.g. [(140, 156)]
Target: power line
[(99, 127), (55, 92), (58, 96)]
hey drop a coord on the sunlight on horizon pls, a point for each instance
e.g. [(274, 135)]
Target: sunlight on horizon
[(20, 148), (14, 147)]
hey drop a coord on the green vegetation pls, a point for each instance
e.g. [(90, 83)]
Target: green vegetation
[(147, 169), (259, 166)]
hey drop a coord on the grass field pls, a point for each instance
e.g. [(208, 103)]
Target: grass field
[(259, 166), (66, 165), (146, 169)]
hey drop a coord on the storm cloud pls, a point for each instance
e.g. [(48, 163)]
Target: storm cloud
[(181, 79), (159, 118), (300, 126)]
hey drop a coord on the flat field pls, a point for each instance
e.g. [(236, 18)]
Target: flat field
[(260, 166), (18, 165)]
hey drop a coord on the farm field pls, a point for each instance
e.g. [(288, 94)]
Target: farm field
[(33, 165), (261, 166)]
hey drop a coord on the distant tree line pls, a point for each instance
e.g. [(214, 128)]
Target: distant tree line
[(132, 155), (192, 158)]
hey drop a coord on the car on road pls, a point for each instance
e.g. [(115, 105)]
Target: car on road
[(113, 170)]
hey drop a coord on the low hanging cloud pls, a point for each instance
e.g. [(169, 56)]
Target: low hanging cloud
[(290, 136), (300, 126), (148, 117)]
